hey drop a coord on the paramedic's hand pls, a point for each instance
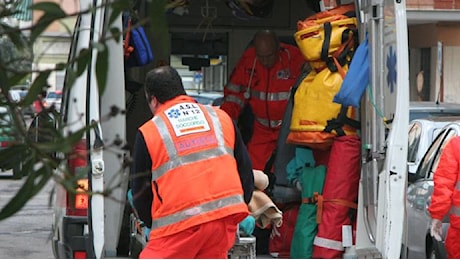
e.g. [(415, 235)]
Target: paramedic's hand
[(248, 225), (436, 229)]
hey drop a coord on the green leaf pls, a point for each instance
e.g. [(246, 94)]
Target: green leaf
[(83, 60), (60, 66), (51, 12), (71, 76), (101, 69), (16, 78), (40, 27), (49, 8), (116, 33), (118, 6), (40, 83), (17, 38), (14, 154), (33, 184)]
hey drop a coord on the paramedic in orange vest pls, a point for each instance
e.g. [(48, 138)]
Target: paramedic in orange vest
[(446, 197), (263, 78), (192, 176)]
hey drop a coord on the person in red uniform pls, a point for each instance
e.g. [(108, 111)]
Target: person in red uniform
[(446, 197), (263, 78), (192, 176), (38, 103)]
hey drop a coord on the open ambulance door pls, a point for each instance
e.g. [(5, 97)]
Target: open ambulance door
[(108, 179), (385, 120)]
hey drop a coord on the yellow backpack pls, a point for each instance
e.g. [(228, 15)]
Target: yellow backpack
[(316, 119), (323, 34), (327, 41)]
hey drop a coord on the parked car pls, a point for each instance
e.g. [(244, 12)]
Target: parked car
[(53, 98), (418, 242), (207, 98), (8, 138), (422, 132), (17, 95), (428, 109)]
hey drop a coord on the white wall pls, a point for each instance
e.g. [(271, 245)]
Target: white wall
[(451, 71)]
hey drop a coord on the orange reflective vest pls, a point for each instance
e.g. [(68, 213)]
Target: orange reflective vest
[(194, 173), (446, 193), (266, 89)]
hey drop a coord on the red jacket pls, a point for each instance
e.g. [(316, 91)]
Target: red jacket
[(446, 193), (194, 173), (269, 87)]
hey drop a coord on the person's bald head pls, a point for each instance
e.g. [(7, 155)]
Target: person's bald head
[(267, 45)]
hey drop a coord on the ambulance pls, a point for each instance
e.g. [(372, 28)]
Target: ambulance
[(97, 224)]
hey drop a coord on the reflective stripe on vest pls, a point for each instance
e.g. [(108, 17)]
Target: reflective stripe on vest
[(197, 210), (328, 243), (234, 99), (271, 96), (175, 160), (271, 123), (234, 88)]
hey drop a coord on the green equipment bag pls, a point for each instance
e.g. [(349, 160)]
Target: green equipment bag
[(312, 181)]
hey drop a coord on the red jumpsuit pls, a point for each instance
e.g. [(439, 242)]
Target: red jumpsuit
[(446, 194), (267, 92)]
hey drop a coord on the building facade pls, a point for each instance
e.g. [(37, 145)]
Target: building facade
[(434, 42)]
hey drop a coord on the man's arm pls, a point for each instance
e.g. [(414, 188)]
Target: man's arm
[(244, 165), (235, 88), (445, 178), (141, 177)]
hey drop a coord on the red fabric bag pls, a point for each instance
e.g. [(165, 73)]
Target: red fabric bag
[(337, 205)]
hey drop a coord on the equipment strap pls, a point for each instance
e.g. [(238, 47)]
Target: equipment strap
[(319, 200)]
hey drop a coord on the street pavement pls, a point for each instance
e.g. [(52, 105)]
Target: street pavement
[(26, 234)]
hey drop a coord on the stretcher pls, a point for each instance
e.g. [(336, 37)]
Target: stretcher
[(244, 247)]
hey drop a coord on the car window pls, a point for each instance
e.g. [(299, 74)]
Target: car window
[(428, 158), (426, 166), (23, 94), (414, 141), (449, 136), (54, 95)]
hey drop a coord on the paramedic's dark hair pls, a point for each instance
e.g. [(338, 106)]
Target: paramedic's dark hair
[(164, 83)]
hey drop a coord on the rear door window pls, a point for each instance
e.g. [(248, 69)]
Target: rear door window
[(415, 132), (430, 160), (72, 55)]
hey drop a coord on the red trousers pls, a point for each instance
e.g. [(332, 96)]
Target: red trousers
[(261, 145), (453, 243), (209, 240)]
